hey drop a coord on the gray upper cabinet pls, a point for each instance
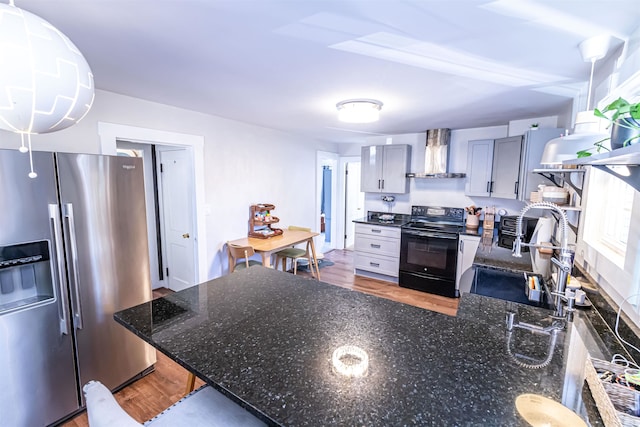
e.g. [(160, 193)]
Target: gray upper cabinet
[(505, 177), (479, 164), (532, 148), (493, 167), (384, 168), (504, 167)]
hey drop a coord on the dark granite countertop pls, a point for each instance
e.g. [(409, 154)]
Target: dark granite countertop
[(502, 259), (499, 258), (266, 339), (374, 218)]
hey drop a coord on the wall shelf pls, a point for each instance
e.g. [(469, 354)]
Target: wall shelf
[(559, 177), (627, 160), (565, 208)]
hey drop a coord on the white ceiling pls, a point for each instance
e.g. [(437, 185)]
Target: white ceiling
[(284, 64)]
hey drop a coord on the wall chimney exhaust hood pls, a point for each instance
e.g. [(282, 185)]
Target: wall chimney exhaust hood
[(436, 156)]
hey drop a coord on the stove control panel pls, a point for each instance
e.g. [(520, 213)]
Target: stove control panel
[(438, 213)]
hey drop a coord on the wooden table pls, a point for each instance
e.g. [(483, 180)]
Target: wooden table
[(266, 247)]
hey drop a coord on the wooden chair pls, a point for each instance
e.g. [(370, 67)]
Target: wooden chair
[(295, 254), (204, 407), (239, 257)]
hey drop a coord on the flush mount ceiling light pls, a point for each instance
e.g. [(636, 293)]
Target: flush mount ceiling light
[(359, 110), (46, 84)]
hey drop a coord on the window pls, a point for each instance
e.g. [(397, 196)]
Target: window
[(609, 207)]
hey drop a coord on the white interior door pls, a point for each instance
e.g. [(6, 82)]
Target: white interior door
[(176, 185), (354, 202)]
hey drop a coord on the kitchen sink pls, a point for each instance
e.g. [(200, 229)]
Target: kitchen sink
[(505, 285)]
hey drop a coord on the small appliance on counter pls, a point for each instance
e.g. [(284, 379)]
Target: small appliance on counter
[(507, 230), (389, 218)]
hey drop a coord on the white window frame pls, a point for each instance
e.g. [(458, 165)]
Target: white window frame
[(609, 215)]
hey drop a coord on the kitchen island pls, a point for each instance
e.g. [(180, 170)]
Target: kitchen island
[(268, 340)]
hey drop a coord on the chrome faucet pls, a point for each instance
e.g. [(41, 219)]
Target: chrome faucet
[(565, 261), (526, 361)]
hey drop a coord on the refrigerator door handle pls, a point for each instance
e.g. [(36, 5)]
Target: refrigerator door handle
[(54, 216), (76, 306)]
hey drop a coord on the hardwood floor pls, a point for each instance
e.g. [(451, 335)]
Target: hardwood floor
[(150, 395), (341, 274), (166, 385)]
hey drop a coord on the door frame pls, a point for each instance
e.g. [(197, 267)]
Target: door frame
[(325, 158), (344, 161), (109, 133)]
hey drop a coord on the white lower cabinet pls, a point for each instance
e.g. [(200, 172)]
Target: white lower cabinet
[(377, 250), (467, 247)]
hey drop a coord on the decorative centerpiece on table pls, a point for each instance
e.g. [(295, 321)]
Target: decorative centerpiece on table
[(261, 221), (473, 216)]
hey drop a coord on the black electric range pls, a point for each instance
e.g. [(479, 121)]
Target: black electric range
[(429, 249)]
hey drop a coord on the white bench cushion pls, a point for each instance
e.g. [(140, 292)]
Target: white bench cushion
[(205, 407)]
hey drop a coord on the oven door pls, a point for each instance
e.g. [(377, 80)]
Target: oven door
[(428, 261)]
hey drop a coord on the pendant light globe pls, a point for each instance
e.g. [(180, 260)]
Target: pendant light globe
[(46, 84)]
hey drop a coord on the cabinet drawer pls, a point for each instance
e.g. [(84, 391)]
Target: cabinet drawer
[(377, 245), (377, 264), (378, 230)]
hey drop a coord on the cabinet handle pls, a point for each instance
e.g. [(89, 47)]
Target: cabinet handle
[(373, 230), (515, 188), (383, 184), (491, 187), (379, 183), (461, 246), (375, 246), (488, 186), (374, 264)]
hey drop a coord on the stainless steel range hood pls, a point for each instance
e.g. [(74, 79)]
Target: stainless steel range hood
[(436, 156)]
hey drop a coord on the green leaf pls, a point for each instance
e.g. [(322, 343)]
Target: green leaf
[(617, 109), (600, 114), (620, 105), (634, 110), (583, 153)]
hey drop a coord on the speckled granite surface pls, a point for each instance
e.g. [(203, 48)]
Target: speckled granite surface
[(499, 258), (266, 338), (373, 217)]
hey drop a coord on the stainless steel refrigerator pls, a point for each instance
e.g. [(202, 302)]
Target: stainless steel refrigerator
[(73, 250)]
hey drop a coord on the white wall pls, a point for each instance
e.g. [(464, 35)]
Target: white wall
[(519, 127), (244, 164)]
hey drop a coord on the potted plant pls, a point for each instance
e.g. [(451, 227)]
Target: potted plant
[(625, 125)]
